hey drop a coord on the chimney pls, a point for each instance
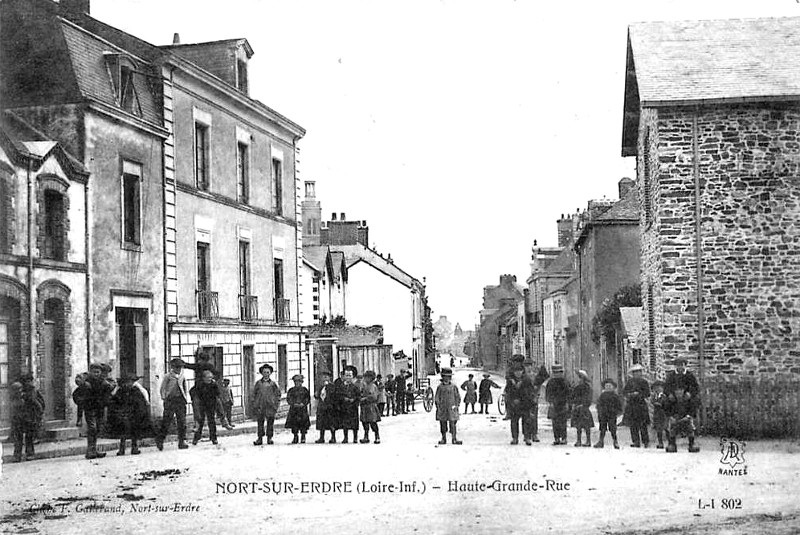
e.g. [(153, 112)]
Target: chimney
[(79, 7), (333, 216), (565, 231), (310, 188), (176, 38), (342, 218), (625, 186)]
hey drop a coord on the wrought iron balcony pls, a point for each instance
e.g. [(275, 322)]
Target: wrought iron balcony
[(282, 310), (207, 305), (248, 307)]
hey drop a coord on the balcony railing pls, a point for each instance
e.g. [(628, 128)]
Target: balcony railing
[(207, 305), (248, 307), (282, 310)]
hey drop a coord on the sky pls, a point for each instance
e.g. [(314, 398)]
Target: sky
[(459, 130)]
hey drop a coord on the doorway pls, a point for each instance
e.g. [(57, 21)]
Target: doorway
[(132, 343), (248, 378), (52, 378)]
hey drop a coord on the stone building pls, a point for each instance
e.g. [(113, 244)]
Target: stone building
[(95, 97), (43, 269), (499, 312), (711, 116), (607, 259)]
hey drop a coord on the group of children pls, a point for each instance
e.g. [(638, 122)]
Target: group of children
[(348, 400), (674, 408)]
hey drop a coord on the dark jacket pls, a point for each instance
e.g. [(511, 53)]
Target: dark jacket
[(326, 410), (266, 398), (128, 413), (636, 392), (298, 398), (27, 408), (206, 394), (681, 407), (485, 390), (557, 394), (346, 398), (609, 406), (94, 394), (685, 380), (581, 397), (520, 395)]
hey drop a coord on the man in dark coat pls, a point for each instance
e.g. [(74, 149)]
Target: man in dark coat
[(557, 395), (636, 392), (391, 393), (400, 392), (519, 402), (95, 395), (485, 392), (326, 411), (128, 414), (582, 419), (206, 392), (175, 396)]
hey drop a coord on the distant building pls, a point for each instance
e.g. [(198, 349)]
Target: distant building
[(498, 322), (711, 115)]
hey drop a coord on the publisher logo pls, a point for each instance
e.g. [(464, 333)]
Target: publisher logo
[(733, 457)]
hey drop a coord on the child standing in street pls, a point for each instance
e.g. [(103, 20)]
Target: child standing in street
[(470, 388), (128, 414), (298, 398), (582, 419), (391, 389), (27, 408), (206, 393), (447, 401), (609, 406), (95, 395), (80, 379), (636, 392), (265, 400), (370, 415), (226, 398), (557, 395), (659, 416), (326, 412), (681, 407), (347, 396), (485, 391)]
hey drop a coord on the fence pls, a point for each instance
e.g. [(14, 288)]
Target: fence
[(746, 407)]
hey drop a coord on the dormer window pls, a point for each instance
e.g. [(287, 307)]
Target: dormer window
[(123, 71)]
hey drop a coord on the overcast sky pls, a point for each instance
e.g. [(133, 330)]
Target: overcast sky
[(460, 130)]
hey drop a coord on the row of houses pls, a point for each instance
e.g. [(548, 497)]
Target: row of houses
[(150, 208), (700, 255)]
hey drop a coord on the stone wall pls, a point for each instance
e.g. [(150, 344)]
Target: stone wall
[(749, 177)]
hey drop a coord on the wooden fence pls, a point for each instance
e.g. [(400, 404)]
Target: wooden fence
[(746, 407)]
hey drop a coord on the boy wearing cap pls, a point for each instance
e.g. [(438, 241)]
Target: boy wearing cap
[(95, 398), (226, 398), (557, 395), (391, 390), (326, 412), (27, 408), (128, 414), (485, 390), (659, 416), (175, 395), (447, 400), (298, 397), (519, 401), (636, 392), (683, 399), (609, 407), (266, 398), (470, 388), (582, 419), (370, 415), (381, 394)]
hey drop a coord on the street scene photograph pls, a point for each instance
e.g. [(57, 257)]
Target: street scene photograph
[(418, 267)]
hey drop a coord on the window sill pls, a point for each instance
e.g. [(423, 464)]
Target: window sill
[(131, 247)]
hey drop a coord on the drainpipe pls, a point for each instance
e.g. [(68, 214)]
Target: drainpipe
[(87, 240), (698, 248), (297, 259), (31, 292)]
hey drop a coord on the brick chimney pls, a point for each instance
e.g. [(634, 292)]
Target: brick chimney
[(176, 38), (76, 6)]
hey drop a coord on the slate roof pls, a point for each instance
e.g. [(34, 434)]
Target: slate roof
[(22, 141), (624, 210), (358, 253), (562, 263), (689, 62)]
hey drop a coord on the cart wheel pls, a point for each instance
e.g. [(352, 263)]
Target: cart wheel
[(427, 401), (501, 404)]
